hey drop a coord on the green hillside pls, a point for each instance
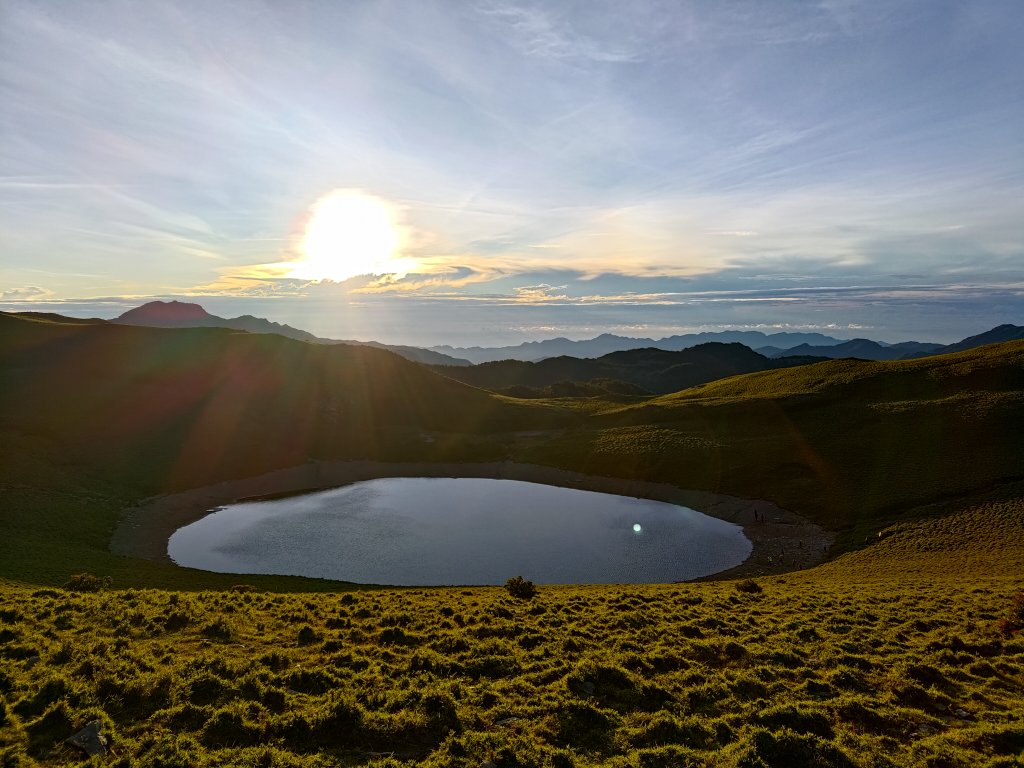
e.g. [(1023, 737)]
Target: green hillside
[(100, 415), (649, 370), (203, 404), (904, 654), (94, 417), (905, 649), (996, 367), (849, 443)]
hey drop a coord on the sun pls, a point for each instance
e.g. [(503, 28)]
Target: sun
[(350, 233)]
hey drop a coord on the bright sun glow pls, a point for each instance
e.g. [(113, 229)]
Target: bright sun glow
[(350, 233)]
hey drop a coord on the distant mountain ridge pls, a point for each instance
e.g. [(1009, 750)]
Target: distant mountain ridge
[(183, 314), (608, 342), (633, 371), (1000, 333), (776, 346), (865, 349)]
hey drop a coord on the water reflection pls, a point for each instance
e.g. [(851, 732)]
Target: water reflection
[(423, 531)]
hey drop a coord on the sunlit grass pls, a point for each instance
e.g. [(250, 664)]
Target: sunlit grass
[(901, 651), (888, 656)]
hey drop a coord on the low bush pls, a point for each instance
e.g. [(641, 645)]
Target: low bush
[(86, 582), (749, 585), (520, 588), (219, 629), (1013, 622)]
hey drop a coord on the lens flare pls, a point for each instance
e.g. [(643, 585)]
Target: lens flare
[(351, 233)]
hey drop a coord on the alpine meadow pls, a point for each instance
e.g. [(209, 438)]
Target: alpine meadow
[(512, 384)]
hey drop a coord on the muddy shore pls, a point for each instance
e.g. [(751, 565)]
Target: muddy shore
[(782, 541)]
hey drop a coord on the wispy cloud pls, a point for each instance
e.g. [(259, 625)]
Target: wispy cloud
[(539, 30), (620, 151)]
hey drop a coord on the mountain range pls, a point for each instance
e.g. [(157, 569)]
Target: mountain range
[(178, 314), (629, 372), (864, 349), (774, 345), (183, 314), (608, 342)]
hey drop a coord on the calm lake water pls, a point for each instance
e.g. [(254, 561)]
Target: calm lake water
[(418, 531)]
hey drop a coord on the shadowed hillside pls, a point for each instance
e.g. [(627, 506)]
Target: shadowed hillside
[(844, 441), (864, 349), (98, 415), (1005, 332), (650, 370), (997, 368), (180, 314), (200, 404), (907, 650)]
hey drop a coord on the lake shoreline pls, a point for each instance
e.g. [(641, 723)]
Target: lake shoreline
[(782, 541)]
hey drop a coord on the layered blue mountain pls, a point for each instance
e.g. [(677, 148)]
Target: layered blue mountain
[(607, 343), (864, 349)]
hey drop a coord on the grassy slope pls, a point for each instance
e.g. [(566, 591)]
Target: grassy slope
[(97, 416), (885, 657), (93, 417), (864, 661), (652, 370), (849, 443)]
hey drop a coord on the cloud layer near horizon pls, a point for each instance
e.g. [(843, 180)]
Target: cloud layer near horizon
[(540, 154)]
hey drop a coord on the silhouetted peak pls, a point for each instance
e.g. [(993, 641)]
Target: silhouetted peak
[(1004, 332), (165, 311)]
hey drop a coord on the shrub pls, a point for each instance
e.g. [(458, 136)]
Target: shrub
[(397, 636), (54, 689), (228, 727), (749, 585), (297, 731), (784, 749), (520, 588), (665, 728), (218, 629), (441, 713), (206, 688), (342, 721), (584, 727), (312, 681), (52, 726), (798, 720), (176, 620), (1014, 620), (86, 582)]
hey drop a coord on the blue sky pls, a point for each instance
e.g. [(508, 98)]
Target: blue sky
[(553, 168)]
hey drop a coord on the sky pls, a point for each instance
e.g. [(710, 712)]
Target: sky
[(488, 172)]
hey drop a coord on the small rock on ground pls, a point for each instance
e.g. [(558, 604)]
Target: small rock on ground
[(90, 739)]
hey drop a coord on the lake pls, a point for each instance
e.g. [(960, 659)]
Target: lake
[(418, 531)]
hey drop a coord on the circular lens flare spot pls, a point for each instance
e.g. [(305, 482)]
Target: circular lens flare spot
[(637, 528)]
